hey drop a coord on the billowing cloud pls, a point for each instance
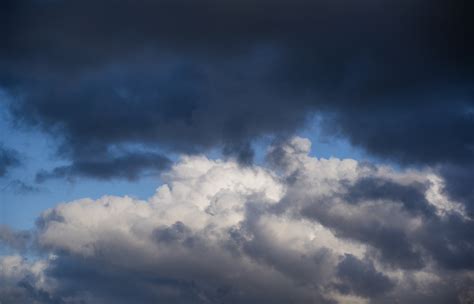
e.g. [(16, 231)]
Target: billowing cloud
[(218, 232), (23, 281)]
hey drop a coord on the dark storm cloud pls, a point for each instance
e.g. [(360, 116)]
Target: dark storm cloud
[(459, 181), (161, 283), (129, 166), (361, 277), (391, 242), (411, 196), (395, 77), (450, 241), (34, 295), (438, 131), (8, 159)]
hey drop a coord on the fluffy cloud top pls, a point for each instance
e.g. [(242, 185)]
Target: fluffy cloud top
[(301, 230)]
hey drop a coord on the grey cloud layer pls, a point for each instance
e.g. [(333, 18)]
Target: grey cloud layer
[(129, 166), (217, 232), (395, 77)]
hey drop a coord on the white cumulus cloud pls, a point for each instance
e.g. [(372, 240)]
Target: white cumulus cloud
[(299, 230)]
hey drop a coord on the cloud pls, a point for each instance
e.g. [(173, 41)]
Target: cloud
[(19, 187), (129, 166), (371, 189), (458, 184), (17, 240), (218, 232), (8, 159), (187, 76), (23, 281), (361, 278)]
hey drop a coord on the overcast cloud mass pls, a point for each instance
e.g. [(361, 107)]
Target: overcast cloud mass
[(132, 89)]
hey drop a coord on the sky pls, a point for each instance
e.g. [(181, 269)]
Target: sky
[(183, 151)]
